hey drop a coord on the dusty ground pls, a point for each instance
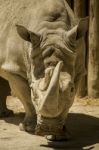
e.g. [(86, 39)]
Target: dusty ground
[(83, 123)]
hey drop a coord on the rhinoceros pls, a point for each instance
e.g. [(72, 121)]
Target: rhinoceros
[(41, 56)]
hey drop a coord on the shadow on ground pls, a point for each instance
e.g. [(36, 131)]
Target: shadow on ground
[(84, 130), (16, 119)]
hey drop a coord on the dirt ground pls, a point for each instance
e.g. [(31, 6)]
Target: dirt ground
[(83, 123)]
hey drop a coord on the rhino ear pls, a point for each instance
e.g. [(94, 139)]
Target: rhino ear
[(28, 35), (79, 30), (23, 33), (35, 39), (82, 27)]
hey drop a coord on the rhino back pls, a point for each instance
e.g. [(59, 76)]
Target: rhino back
[(36, 15)]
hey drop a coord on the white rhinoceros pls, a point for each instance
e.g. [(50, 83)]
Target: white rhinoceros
[(41, 57)]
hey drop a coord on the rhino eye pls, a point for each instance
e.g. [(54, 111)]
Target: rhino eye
[(54, 17), (48, 52)]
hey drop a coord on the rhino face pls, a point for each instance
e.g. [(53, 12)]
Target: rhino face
[(53, 56)]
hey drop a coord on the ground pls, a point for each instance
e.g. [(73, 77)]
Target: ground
[(83, 123)]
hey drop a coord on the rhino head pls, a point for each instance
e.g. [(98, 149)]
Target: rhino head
[(52, 55)]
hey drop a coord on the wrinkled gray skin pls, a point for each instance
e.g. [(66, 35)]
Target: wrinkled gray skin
[(41, 56)]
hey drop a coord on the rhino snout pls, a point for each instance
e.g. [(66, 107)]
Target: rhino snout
[(53, 92)]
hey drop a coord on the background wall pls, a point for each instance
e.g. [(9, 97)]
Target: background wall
[(90, 83)]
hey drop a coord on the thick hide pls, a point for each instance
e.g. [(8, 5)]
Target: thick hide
[(41, 56)]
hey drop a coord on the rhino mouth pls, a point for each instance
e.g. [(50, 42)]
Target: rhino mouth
[(53, 94)]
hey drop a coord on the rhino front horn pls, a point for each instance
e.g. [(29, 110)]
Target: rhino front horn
[(49, 104)]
